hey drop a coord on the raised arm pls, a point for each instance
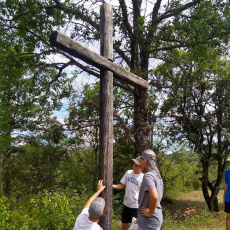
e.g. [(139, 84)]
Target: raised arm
[(100, 188), (225, 189)]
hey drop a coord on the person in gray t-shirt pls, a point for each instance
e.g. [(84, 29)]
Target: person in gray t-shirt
[(149, 215)]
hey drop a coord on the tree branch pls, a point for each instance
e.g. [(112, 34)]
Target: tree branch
[(125, 18), (122, 54), (124, 127), (76, 11), (155, 12), (178, 10)]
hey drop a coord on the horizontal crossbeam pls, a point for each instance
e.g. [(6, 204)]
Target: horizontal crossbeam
[(77, 50)]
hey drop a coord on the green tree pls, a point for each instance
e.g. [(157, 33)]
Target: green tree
[(26, 102), (197, 110), (140, 35), (35, 167)]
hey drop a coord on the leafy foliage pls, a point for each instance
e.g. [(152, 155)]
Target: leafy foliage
[(44, 211), (185, 39), (197, 111)]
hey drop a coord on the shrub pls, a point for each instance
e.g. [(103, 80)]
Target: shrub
[(44, 211)]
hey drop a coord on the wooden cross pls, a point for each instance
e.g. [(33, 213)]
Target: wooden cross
[(107, 70)]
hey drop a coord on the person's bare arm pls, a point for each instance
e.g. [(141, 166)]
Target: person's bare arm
[(225, 189), (118, 186), (100, 188), (153, 197)]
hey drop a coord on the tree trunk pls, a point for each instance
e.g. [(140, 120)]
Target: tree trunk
[(204, 181), (141, 129), (212, 204), (211, 201), (8, 156), (8, 175), (216, 205)]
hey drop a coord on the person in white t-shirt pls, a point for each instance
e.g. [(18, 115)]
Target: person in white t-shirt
[(131, 181), (92, 211)]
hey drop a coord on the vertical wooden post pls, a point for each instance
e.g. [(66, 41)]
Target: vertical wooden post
[(106, 115)]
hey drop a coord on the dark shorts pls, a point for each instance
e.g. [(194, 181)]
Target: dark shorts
[(128, 214), (227, 207)]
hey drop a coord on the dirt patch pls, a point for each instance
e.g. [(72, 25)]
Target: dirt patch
[(189, 204)]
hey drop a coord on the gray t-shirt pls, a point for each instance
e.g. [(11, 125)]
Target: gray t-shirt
[(150, 181)]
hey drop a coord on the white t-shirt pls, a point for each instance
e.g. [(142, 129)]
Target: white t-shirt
[(83, 222), (132, 183)]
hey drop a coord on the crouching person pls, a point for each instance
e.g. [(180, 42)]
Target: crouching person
[(92, 211)]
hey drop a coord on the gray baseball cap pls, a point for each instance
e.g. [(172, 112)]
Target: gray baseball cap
[(96, 208), (228, 159)]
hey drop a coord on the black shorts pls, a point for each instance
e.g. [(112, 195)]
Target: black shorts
[(227, 207), (128, 214)]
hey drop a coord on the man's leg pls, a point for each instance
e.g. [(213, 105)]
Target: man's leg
[(126, 218), (228, 221), (125, 226)]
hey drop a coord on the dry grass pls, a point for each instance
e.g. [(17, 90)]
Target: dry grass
[(191, 200), (187, 208)]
